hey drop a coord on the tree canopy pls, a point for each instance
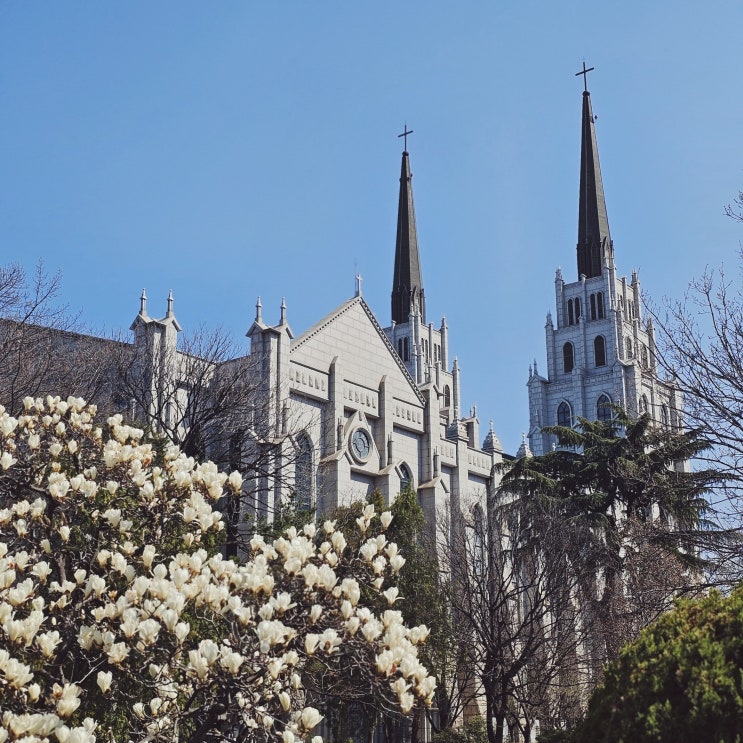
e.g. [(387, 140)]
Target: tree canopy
[(623, 487), (680, 680)]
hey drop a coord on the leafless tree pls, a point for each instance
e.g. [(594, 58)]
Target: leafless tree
[(42, 347), (451, 657), (735, 210), (213, 400), (700, 345), (515, 596)]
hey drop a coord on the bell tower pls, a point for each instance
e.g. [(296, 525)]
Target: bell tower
[(600, 350)]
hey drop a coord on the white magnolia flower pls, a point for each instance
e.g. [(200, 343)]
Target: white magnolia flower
[(310, 718), (104, 680), (7, 460)]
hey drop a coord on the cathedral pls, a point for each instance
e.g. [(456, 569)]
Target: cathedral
[(600, 351), (378, 408), (354, 405)]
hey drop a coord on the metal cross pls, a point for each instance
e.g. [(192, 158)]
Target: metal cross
[(584, 72), (405, 134)]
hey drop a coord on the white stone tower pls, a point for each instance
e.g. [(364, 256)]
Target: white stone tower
[(600, 350)]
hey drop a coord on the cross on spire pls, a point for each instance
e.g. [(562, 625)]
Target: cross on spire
[(405, 133), (585, 72)]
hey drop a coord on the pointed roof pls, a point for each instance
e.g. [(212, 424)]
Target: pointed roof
[(407, 284), (594, 241), (336, 315)]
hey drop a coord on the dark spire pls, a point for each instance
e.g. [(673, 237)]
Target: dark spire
[(594, 241), (407, 285)]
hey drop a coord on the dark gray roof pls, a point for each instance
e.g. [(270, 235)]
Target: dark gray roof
[(594, 241), (407, 284)]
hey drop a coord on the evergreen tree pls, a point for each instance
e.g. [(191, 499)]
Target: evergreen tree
[(680, 680), (622, 486)]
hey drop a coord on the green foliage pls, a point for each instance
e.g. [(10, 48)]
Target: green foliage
[(555, 736), (680, 681), (628, 464), (473, 731), (418, 578), (619, 483), (288, 514)]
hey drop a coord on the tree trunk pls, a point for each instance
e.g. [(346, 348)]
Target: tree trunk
[(496, 712), (416, 730)]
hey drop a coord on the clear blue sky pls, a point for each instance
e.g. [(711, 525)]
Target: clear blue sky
[(233, 149)]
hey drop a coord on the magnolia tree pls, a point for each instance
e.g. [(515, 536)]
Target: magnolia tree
[(119, 619)]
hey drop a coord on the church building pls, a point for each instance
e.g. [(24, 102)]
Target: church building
[(374, 408), (600, 351)]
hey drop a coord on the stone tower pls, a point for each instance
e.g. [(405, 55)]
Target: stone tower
[(423, 348), (600, 350)]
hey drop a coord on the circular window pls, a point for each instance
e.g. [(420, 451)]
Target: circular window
[(361, 444)]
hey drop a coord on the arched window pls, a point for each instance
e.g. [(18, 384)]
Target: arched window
[(567, 358), (399, 347), (405, 350), (643, 405), (447, 396), (599, 350), (303, 471), (564, 415), (603, 409), (571, 317), (628, 345), (600, 305), (664, 416), (406, 478), (577, 309), (593, 306), (644, 356)]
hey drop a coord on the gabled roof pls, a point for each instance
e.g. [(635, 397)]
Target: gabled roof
[(343, 309)]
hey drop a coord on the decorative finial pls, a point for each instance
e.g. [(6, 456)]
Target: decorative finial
[(492, 430), (404, 134), (283, 310), (170, 304), (143, 303), (535, 367), (359, 278), (258, 311), (584, 72)]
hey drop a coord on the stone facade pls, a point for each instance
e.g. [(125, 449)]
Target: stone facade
[(600, 350), (372, 418)]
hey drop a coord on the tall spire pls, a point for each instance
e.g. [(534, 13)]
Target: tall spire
[(594, 241), (407, 285)]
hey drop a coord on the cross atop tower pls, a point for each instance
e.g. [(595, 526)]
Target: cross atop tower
[(585, 72), (405, 133)]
